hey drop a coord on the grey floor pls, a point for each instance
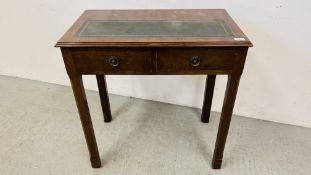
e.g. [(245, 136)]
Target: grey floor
[(40, 133)]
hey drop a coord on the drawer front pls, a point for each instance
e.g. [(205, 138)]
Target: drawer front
[(112, 61), (195, 60)]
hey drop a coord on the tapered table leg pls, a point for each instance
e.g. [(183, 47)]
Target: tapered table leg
[(80, 97), (208, 97), (104, 98), (225, 118)]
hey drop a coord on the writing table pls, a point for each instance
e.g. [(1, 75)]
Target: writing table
[(154, 42)]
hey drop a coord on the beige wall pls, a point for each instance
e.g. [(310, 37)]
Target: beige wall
[(276, 84)]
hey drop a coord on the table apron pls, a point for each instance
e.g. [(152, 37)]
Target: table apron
[(155, 61)]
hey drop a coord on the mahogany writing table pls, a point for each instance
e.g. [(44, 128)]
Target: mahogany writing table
[(154, 42)]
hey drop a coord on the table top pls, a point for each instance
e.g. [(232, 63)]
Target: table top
[(154, 28)]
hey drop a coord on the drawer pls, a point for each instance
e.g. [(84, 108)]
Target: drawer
[(112, 61), (195, 60)]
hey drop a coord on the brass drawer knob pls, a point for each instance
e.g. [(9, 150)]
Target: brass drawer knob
[(113, 61), (195, 61)]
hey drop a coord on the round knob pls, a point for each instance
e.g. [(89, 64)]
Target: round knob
[(194, 61), (113, 61)]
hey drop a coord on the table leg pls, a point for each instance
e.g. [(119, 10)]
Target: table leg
[(208, 97), (80, 97), (225, 118), (104, 98)]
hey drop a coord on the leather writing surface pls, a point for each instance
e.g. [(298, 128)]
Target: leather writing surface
[(98, 28)]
